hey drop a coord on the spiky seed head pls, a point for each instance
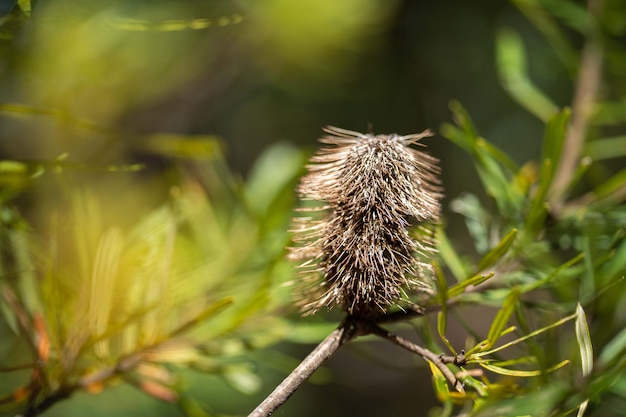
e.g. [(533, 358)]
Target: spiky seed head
[(354, 245)]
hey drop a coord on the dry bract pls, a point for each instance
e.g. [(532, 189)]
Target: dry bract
[(355, 243)]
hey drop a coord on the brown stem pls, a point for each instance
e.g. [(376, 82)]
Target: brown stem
[(346, 331), (438, 360), (587, 86)]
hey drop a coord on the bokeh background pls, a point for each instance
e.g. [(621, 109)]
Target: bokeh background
[(147, 86)]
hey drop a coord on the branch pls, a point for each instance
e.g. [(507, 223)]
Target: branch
[(438, 360), (587, 86), (346, 331)]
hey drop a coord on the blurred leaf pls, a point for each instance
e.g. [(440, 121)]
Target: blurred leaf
[(185, 146), (477, 219), (192, 407), (511, 60), (242, 378), (205, 314), (606, 148), (442, 316), (497, 253), (614, 350), (553, 143), (140, 25), (276, 168), (572, 14), (554, 274), (492, 171), (558, 40), (157, 390), (538, 403), (309, 332), (450, 257), (611, 191), (584, 341)]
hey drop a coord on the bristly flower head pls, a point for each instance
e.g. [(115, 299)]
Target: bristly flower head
[(356, 246)]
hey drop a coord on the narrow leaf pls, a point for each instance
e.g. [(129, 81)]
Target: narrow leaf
[(502, 318), (511, 60), (553, 142), (461, 286), (442, 316), (494, 255), (450, 257), (584, 341), (516, 372)]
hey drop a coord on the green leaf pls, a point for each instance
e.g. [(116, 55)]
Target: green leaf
[(521, 373), (502, 318), (584, 341), (613, 190), (440, 383), (488, 159), (553, 142), (461, 286), (242, 378), (442, 316), (558, 39), (450, 257), (185, 146), (538, 403), (309, 332), (477, 220), (511, 63), (495, 255), (271, 174), (204, 315), (614, 350), (606, 148)]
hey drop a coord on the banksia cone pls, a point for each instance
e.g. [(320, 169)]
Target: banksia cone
[(356, 246)]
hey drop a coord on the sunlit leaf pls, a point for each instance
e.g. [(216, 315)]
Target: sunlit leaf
[(484, 352), (584, 341), (440, 382), (520, 373)]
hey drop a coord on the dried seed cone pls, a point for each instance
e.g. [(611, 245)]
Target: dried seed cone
[(355, 248)]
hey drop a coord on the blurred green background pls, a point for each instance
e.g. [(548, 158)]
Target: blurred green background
[(126, 98)]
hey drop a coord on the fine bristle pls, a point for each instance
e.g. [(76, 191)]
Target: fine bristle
[(371, 190)]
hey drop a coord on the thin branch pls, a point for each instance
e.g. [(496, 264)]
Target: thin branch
[(587, 86), (438, 360), (346, 331)]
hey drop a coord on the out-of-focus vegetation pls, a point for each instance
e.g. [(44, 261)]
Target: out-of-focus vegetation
[(146, 186)]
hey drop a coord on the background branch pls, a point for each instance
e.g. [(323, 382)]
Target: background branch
[(587, 86)]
